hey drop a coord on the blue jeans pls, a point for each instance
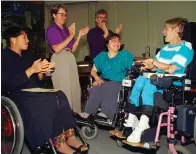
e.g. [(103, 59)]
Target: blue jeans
[(143, 84)]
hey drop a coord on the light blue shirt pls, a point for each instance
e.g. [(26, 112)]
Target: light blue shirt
[(180, 55), (114, 68)]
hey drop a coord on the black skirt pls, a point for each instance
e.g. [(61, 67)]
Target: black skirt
[(45, 115)]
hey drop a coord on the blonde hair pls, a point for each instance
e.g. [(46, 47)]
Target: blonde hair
[(177, 22)]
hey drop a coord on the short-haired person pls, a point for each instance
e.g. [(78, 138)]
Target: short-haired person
[(46, 113), (62, 45), (96, 36), (173, 58), (112, 64)]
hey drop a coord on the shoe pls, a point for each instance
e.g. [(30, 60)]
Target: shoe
[(132, 121), (143, 124), (81, 148), (75, 152)]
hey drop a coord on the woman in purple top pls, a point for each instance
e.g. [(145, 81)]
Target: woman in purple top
[(62, 45)]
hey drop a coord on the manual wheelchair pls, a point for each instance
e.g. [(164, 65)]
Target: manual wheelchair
[(13, 138)]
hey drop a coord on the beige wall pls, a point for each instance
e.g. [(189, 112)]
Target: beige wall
[(161, 11), (142, 21)]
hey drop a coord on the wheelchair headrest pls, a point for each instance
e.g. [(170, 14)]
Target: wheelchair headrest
[(190, 71), (189, 34)]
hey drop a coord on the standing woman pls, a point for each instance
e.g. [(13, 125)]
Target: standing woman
[(62, 45)]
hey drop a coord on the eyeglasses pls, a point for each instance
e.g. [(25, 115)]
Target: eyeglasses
[(63, 14), (115, 41), (102, 17)]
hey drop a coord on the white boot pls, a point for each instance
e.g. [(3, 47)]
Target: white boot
[(132, 121), (136, 134)]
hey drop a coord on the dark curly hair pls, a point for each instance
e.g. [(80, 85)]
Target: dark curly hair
[(109, 37), (13, 31)]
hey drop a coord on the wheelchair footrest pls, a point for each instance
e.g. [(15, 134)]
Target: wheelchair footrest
[(140, 145), (133, 144), (117, 133)]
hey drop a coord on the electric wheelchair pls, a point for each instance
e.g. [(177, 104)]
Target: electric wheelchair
[(174, 110), (89, 126), (177, 113)]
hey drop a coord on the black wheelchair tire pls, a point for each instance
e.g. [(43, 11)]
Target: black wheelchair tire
[(19, 128), (181, 149), (119, 143), (88, 132)]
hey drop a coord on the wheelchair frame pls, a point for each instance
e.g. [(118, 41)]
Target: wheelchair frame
[(18, 129), (90, 125), (11, 125), (171, 131)]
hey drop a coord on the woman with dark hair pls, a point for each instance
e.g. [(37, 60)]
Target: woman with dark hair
[(62, 45), (46, 112), (112, 65)]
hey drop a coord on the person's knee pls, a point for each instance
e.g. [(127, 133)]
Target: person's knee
[(62, 99)]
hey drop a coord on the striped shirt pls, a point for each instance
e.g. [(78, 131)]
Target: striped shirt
[(180, 55)]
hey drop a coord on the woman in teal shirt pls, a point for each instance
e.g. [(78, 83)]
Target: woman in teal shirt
[(112, 66)]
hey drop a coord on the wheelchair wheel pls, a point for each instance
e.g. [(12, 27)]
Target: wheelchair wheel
[(88, 132), (180, 150), (12, 130), (119, 143)]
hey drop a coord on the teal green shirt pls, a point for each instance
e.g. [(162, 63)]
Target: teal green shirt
[(114, 68)]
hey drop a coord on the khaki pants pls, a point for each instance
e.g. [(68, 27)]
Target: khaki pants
[(65, 77)]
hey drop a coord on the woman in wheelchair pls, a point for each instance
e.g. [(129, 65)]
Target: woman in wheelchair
[(46, 113), (173, 58), (112, 65)]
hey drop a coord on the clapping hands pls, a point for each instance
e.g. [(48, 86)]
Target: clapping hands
[(72, 29), (42, 66), (83, 31), (118, 29), (104, 27)]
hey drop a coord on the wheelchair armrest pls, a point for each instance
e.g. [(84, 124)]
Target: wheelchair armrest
[(165, 82), (176, 78)]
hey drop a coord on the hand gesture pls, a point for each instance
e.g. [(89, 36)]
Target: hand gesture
[(51, 67), (46, 64), (148, 64), (42, 66), (118, 29), (83, 31), (104, 27), (149, 60), (72, 29), (98, 82)]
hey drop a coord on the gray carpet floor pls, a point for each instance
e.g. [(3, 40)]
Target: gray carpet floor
[(105, 144)]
